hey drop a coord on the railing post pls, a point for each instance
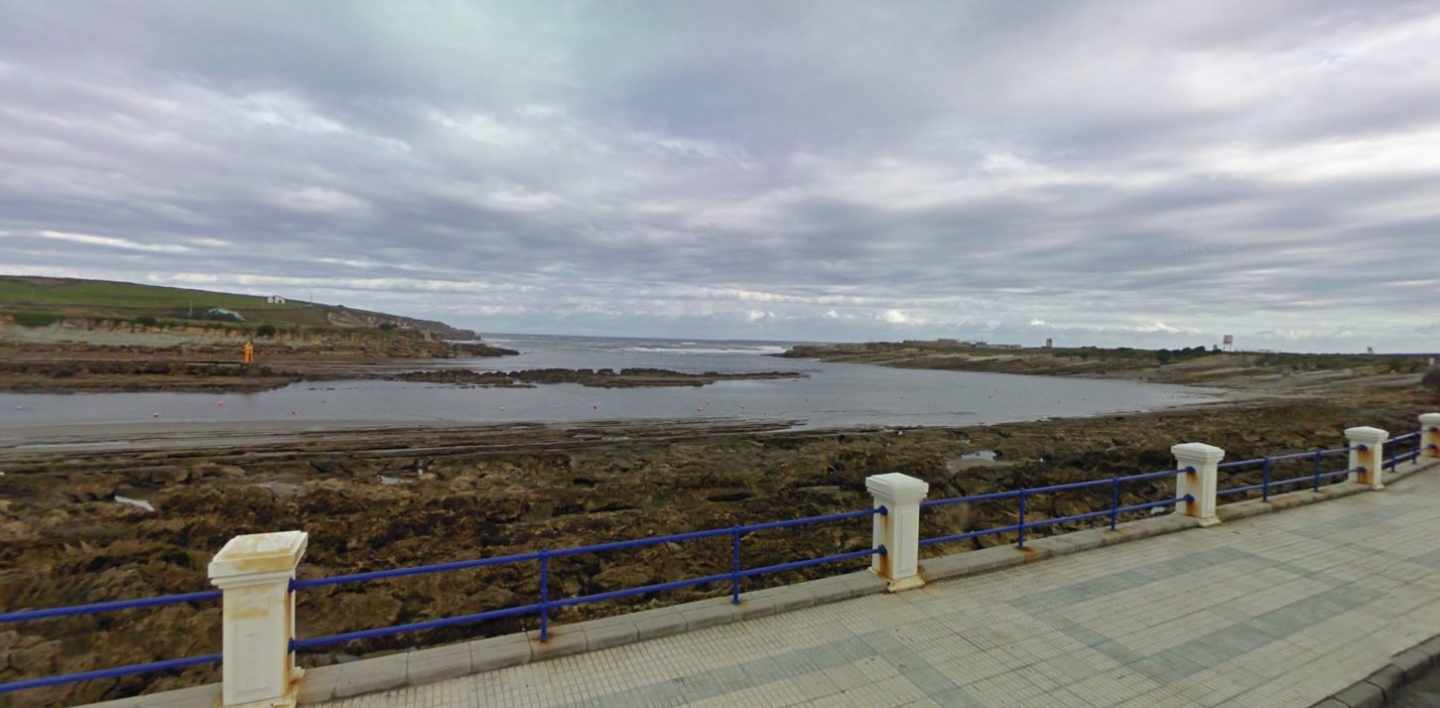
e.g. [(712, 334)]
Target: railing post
[(898, 529), (1114, 503), (1367, 455), (1020, 526), (544, 595), (1430, 435), (735, 568), (1198, 481), (258, 617)]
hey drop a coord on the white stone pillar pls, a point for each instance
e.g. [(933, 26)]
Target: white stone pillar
[(254, 573), (1200, 482), (898, 530), (1371, 459), (1430, 435)]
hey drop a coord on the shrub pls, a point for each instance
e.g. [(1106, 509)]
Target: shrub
[(387, 326), (37, 319), (146, 321), (265, 330)]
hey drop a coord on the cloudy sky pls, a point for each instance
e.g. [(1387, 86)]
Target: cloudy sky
[(1153, 174)]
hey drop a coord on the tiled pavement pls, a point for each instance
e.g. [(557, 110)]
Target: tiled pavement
[(1275, 610)]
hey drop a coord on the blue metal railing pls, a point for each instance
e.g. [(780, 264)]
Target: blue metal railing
[(1394, 461), (1023, 495), (115, 672), (736, 575), (542, 608), (1267, 469)]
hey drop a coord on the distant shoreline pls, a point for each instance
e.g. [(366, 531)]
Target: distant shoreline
[(1252, 373)]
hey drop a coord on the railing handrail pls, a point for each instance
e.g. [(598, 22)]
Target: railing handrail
[(114, 605), (1032, 491), (112, 672), (1266, 485), (1287, 456), (582, 550), (542, 608)]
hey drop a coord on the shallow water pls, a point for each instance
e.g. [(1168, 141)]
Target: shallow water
[(832, 395)]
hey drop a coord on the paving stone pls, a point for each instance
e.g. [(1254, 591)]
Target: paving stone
[(972, 563), (438, 664), (609, 632), (708, 613), (1389, 678), (563, 640), (653, 624), (499, 652), (769, 601), (1362, 695), (206, 696), (372, 675), (318, 684), (1431, 647), (828, 590), (1413, 663), (863, 583)]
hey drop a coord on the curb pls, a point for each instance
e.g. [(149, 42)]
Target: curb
[(1380, 687)]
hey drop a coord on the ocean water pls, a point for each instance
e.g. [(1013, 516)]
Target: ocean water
[(830, 395)]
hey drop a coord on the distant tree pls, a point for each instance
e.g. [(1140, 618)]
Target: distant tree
[(266, 330)]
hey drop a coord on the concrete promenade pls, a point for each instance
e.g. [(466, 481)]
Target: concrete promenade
[(1279, 609)]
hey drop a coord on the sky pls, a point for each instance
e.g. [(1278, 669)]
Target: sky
[(1108, 173)]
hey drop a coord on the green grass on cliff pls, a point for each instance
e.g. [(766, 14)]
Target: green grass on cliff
[(102, 298)]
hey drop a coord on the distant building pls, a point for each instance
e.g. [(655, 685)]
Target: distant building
[(1049, 343), (275, 300)]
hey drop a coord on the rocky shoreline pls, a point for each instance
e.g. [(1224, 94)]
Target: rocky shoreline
[(72, 367), (1251, 372), (381, 497)]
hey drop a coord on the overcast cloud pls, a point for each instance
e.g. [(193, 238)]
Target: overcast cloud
[(1154, 174)]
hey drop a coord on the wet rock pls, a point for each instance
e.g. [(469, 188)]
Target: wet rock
[(730, 496), (82, 490), (140, 504), (211, 470), (166, 474), (284, 490), (327, 485)]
